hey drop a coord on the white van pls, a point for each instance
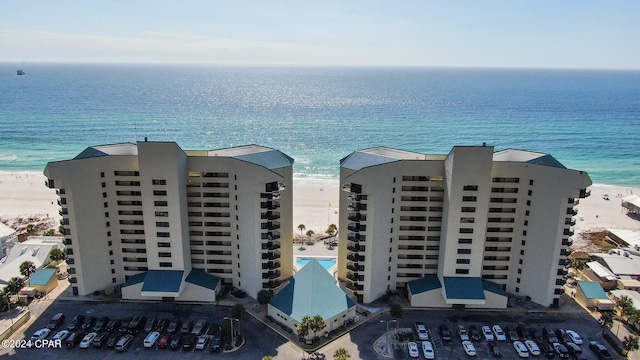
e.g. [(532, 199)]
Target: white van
[(151, 339)]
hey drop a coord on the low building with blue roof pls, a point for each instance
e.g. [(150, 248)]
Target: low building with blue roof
[(197, 286), (590, 294), (312, 291), (472, 292)]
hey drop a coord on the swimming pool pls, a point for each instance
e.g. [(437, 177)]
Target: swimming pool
[(326, 263)]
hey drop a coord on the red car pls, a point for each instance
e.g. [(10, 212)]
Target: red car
[(164, 341)]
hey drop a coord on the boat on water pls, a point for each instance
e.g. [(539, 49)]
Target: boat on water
[(20, 72)]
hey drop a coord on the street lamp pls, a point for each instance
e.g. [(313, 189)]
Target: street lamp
[(387, 333), (233, 338), (9, 305)]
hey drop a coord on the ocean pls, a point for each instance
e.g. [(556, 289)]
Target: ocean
[(588, 120)]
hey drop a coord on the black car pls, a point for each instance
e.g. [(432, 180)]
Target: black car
[(136, 324), (113, 339), (521, 332), (512, 335), (76, 323), (494, 350), (216, 344), (89, 323), (74, 339), (162, 325), (189, 341), (562, 336), (101, 339), (101, 324), (600, 350), (186, 327), (549, 335), (150, 325), (56, 321), (546, 349), (536, 334), (474, 333), (174, 326), (176, 342), (124, 324), (445, 334), (112, 325)]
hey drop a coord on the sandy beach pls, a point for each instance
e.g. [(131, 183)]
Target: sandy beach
[(23, 195)]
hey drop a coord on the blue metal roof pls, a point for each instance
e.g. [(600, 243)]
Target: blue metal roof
[(468, 288), (201, 278), (312, 291), (427, 283), (493, 287), (547, 160), (359, 160), (41, 277), (163, 280), (592, 290), (89, 153), (135, 279), (273, 159)]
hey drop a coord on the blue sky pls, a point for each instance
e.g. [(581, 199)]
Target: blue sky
[(474, 33)]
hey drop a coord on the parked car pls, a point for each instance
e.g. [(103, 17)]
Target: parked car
[(533, 347), (124, 324), (101, 339), (575, 337), (136, 324), (413, 349), (499, 333), (549, 335), (87, 340), (165, 340), (186, 327), (216, 344), (422, 331), (161, 325), (76, 323), (547, 349), (173, 326), (189, 342), (536, 334), (199, 327), (89, 323), (521, 349), (61, 335), (201, 343), (74, 339), (462, 333), (600, 350), (487, 333), (495, 352), (468, 347), (151, 339), (150, 325), (112, 325), (474, 333), (445, 334), (573, 348), (427, 350), (562, 336), (101, 324), (124, 342), (511, 334), (522, 334), (176, 342), (41, 334), (561, 350), (56, 321), (113, 339)]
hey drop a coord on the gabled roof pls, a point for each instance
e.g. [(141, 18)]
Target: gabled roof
[(41, 277), (528, 157), (272, 159), (464, 288), (592, 290), (105, 150), (427, 283), (312, 291), (201, 278), (162, 281)]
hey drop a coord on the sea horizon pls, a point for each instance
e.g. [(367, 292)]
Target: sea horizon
[(586, 118)]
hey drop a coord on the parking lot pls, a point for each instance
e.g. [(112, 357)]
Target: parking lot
[(261, 341)]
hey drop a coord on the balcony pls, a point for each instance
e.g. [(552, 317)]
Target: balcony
[(271, 285), (354, 276), (352, 188), (271, 225), (565, 252), (354, 206), (568, 232), (274, 187), (355, 257), (354, 237), (271, 275), (271, 265), (270, 215), (572, 211), (567, 242), (271, 205), (561, 282), (271, 255), (570, 222), (271, 245), (353, 286), (355, 247), (355, 267), (585, 193), (354, 197), (271, 235), (354, 217), (354, 227)]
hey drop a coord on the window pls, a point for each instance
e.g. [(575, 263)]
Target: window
[(166, 264), (159, 192), (521, 252), (467, 220), (464, 241), (524, 232), (524, 243), (464, 251), (529, 192), (162, 213), (159, 182), (164, 254), (104, 184), (110, 243), (164, 244), (468, 209), (526, 213), (160, 203), (162, 234), (108, 224), (517, 289), (530, 182), (526, 222), (462, 271), (113, 271), (162, 224), (518, 280), (463, 261), (106, 204), (108, 233), (106, 214), (470, 198), (466, 230), (470, 187), (102, 174), (104, 194), (528, 202)]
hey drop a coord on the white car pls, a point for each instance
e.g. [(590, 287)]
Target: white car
[(462, 332), (521, 349), (469, 348), (422, 332), (533, 347), (575, 337), (499, 333), (427, 350), (201, 343), (61, 335), (151, 339), (488, 334), (40, 334), (87, 340), (413, 350)]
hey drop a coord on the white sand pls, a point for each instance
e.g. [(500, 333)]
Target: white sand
[(315, 203)]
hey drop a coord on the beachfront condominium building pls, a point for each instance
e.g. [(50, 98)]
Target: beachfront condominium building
[(169, 223), (461, 229)]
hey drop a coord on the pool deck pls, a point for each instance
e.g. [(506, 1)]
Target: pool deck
[(318, 250)]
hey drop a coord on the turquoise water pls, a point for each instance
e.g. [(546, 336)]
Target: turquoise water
[(588, 120), (326, 263)]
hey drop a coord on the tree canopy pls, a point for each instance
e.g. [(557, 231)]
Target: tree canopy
[(57, 255)]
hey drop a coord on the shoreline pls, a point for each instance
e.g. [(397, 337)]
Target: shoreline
[(23, 195)]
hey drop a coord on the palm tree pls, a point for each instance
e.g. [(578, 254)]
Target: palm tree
[(630, 343), (317, 324), (332, 229), (57, 255), (341, 354), (625, 304), (14, 286), (27, 268), (304, 326), (606, 320), (310, 233), (302, 228)]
